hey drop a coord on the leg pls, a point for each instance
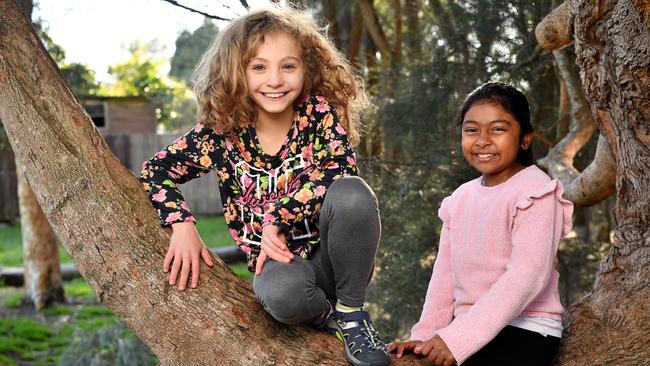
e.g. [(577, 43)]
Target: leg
[(515, 346), (288, 292), (349, 228)]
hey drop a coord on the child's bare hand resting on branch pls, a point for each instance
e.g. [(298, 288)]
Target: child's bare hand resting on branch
[(186, 249), (435, 350)]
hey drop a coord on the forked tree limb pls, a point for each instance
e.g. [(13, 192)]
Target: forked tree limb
[(101, 213), (597, 181)]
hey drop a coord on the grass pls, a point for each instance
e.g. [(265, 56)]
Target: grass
[(34, 342), (14, 299), (213, 231), (30, 341)]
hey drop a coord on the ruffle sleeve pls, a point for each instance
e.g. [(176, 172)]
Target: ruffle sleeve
[(553, 187)]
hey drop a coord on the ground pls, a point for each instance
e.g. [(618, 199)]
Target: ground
[(82, 331)]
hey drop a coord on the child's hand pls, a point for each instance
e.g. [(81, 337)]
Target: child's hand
[(274, 246), (436, 351), (186, 249), (402, 347)]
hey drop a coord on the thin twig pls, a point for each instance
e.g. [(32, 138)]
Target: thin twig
[(174, 2)]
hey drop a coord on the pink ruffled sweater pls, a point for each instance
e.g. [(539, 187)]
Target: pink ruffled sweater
[(496, 260)]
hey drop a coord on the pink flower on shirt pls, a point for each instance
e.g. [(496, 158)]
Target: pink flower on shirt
[(322, 108), (173, 217), (161, 196), (320, 191)]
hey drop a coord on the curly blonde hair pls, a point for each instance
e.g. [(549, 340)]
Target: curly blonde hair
[(220, 77)]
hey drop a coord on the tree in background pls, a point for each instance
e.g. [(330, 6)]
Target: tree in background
[(189, 48), (142, 75)]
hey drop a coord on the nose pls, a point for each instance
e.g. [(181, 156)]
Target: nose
[(483, 139), (275, 79)]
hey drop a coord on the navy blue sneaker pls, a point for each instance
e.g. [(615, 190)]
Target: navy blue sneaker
[(363, 346)]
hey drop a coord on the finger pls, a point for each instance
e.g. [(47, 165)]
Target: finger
[(391, 346), (260, 263), (196, 268), (205, 254), (426, 348), (274, 253), (176, 267), (168, 259), (282, 249), (400, 350), (185, 273), (276, 243)]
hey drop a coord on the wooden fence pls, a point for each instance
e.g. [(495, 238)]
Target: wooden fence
[(202, 195)]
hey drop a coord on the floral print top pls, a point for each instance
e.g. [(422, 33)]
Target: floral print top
[(257, 189)]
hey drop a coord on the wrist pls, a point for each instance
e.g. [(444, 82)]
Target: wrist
[(183, 226)]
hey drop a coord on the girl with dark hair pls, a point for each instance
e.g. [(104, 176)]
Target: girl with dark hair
[(493, 297)]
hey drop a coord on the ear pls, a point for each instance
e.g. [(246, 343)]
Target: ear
[(526, 140)]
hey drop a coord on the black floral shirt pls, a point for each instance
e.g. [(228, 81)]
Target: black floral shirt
[(286, 189)]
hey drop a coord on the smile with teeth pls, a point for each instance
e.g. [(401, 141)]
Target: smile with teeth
[(485, 156), (274, 95)]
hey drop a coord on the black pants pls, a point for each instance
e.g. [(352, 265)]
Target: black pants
[(516, 347)]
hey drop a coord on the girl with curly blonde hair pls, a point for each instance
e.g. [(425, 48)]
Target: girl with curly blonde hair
[(279, 111)]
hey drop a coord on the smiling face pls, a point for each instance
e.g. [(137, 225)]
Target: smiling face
[(275, 76), (491, 139)]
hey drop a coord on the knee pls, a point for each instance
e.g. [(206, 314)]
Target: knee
[(283, 291), (351, 196)]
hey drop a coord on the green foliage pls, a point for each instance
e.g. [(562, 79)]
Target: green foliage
[(24, 339), (419, 162), (14, 299), (11, 249), (141, 75), (81, 79), (189, 48), (79, 288)]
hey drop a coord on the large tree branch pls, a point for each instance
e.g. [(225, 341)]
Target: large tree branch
[(374, 28), (100, 212), (555, 30), (597, 181)]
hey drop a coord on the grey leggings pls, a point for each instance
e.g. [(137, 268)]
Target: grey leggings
[(340, 268)]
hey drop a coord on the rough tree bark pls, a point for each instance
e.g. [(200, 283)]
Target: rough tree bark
[(612, 44), (101, 213), (42, 276)]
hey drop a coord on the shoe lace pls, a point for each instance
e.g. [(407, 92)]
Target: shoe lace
[(369, 336)]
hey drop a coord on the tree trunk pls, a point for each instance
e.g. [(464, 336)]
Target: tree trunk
[(612, 44), (42, 276), (101, 213)]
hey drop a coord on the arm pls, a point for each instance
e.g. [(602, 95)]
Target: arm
[(190, 156), (438, 309), (535, 238), (332, 158)]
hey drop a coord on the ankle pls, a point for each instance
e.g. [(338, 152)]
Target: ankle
[(342, 308)]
